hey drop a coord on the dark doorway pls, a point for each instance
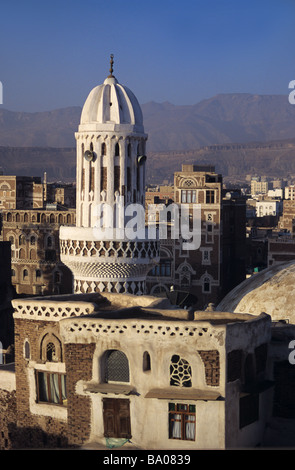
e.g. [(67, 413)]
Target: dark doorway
[(116, 417)]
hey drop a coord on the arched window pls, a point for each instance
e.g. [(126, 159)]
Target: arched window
[(33, 240), (206, 284), (25, 274), (22, 240), (146, 363), (117, 150), (51, 348), (180, 372), (49, 242), (51, 353), (103, 149), (33, 254), (38, 274), (117, 367), (185, 272), (11, 239), (27, 350)]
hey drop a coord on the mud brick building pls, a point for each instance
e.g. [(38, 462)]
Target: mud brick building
[(204, 275), (105, 368), (21, 192), (35, 250), (6, 294)]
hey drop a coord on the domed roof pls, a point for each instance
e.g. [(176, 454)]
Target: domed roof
[(271, 291), (109, 106)]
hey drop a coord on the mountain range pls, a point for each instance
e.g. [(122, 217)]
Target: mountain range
[(237, 132)]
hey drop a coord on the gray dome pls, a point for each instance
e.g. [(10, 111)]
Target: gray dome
[(271, 291)]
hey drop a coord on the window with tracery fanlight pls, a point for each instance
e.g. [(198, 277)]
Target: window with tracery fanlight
[(180, 372), (51, 355), (50, 348), (185, 276), (188, 183)]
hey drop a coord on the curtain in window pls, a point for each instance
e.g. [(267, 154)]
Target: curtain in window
[(190, 428), (63, 389), (43, 391), (176, 426), (54, 388)]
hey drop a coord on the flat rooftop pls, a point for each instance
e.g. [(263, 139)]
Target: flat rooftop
[(116, 306)]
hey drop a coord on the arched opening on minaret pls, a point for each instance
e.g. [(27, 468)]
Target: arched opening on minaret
[(117, 178), (129, 150)]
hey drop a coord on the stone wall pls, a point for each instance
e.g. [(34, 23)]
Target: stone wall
[(7, 419)]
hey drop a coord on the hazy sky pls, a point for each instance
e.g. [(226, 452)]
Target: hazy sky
[(52, 53)]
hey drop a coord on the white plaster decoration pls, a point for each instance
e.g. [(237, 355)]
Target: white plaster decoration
[(53, 310)]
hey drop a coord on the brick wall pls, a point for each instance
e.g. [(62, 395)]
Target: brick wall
[(79, 367), (212, 366), (33, 430)]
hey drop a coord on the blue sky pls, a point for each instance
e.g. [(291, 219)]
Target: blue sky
[(52, 53)]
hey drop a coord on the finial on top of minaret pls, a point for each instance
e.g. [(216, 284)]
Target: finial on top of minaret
[(111, 62)]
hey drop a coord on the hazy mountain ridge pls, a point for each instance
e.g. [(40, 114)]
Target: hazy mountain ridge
[(276, 159), (223, 118), (207, 132)]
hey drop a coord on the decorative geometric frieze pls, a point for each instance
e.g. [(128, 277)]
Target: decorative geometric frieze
[(110, 248), (119, 287), (50, 311), (86, 328)]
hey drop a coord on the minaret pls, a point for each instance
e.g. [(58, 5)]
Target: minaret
[(44, 188), (110, 173)]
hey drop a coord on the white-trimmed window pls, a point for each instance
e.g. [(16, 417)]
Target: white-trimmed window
[(206, 256), (206, 285)]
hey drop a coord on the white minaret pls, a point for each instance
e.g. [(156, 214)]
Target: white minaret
[(111, 146)]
